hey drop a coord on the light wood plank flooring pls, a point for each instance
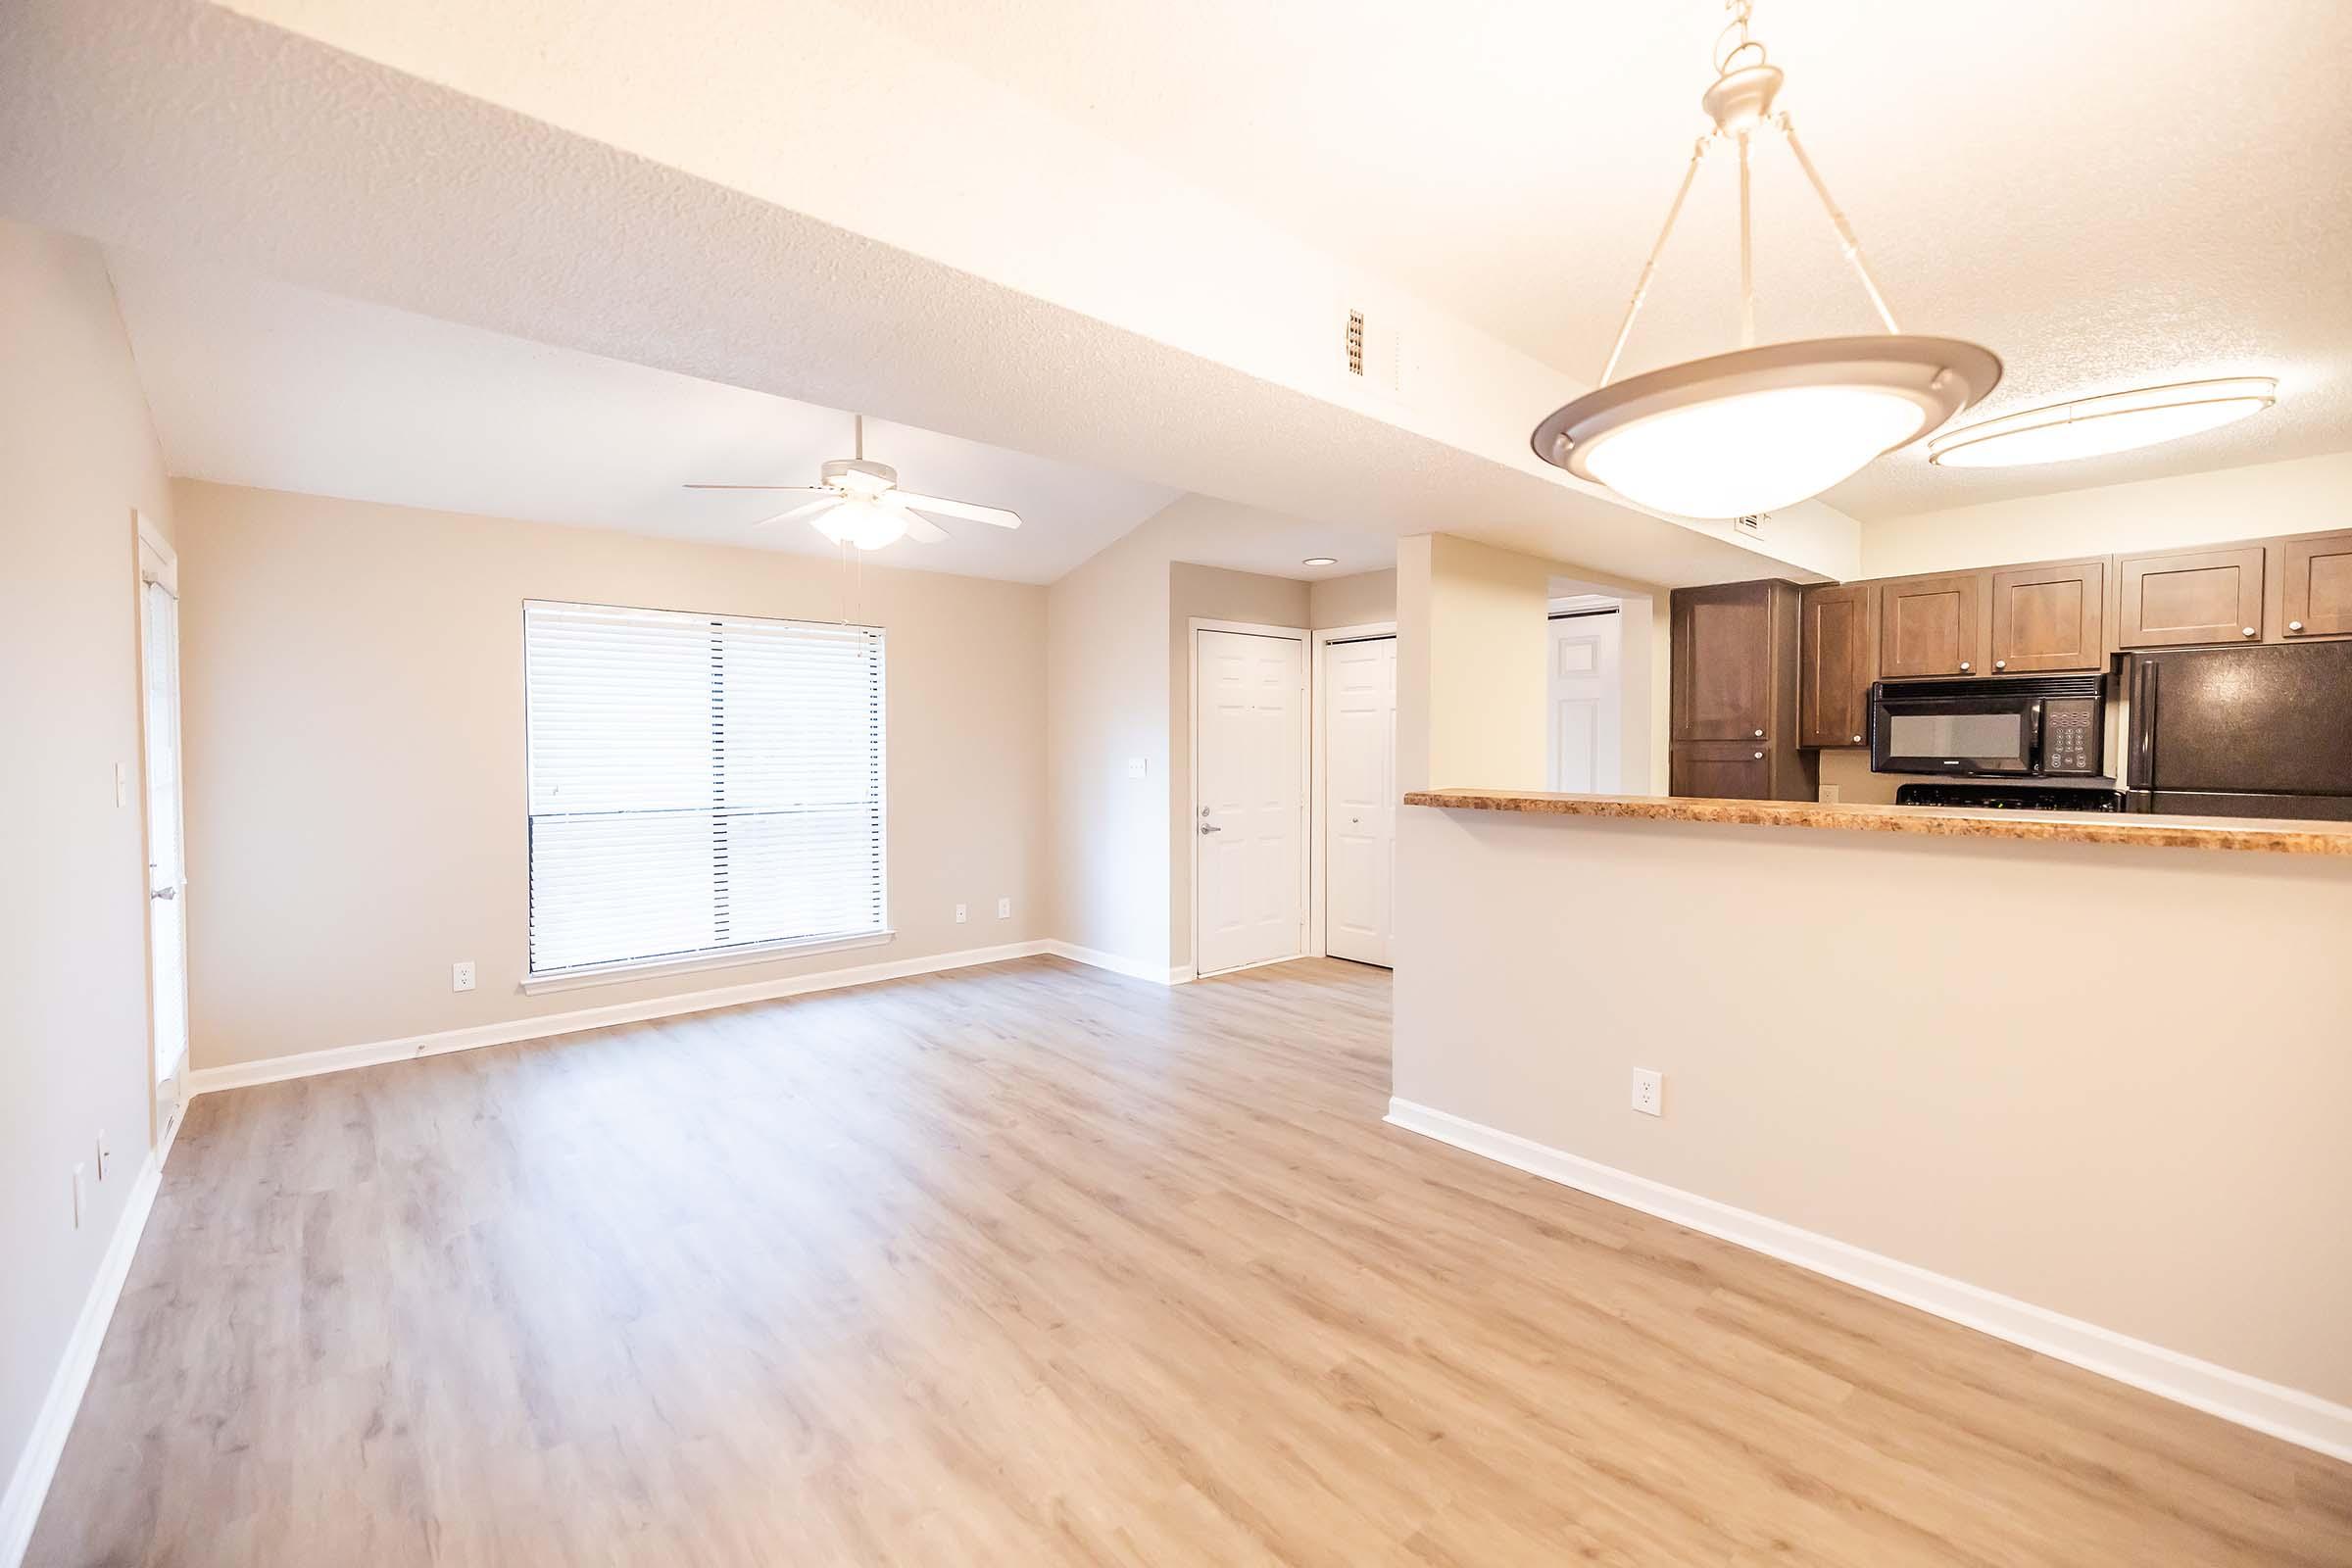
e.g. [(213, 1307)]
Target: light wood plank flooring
[(1036, 1265)]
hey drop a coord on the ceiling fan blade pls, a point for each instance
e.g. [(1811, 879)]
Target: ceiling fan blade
[(784, 489), (969, 511), (804, 508), (923, 531)]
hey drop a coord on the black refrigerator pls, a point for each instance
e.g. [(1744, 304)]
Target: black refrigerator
[(2261, 731)]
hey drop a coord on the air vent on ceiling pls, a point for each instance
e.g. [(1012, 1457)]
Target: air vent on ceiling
[(1752, 525), (1356, 342), (1372, 353)]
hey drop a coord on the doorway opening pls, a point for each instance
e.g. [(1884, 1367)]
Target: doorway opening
[(167, 858)]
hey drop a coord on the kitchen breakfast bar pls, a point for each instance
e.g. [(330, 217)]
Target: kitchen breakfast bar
[(2083, 1081)]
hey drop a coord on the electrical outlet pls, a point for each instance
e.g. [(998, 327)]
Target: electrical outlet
[(1003, 908), (1649, 1092), (460, 975), (78, 1170), (1139, 766), (961, 915), (104, 1153), (1832, 795)]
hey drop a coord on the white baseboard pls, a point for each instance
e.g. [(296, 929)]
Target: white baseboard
[(309, 1063), (1133, 968), (45, 1444), (2298, 1417)]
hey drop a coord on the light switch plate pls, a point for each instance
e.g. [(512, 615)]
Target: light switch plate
[(1003, 908), (1138, 766), (961, 914)]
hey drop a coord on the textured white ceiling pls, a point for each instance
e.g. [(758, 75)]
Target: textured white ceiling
[(261, 383), (2107, 193), (1194, 354)]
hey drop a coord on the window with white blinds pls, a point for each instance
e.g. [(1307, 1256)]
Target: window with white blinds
[(698, 784)]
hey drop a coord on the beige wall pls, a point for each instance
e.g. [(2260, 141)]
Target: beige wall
[(1885, 1041), (1107, 706), (1364, 599), (1472, 642), (1206, 593), (355, 758), (2306, 495), (77, 456)]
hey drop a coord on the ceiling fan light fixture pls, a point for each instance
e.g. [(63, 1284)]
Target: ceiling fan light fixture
[(2114, 421), (1760, 427), (866, 525)]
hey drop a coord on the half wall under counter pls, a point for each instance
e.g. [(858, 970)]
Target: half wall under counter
[(2042, 1074)]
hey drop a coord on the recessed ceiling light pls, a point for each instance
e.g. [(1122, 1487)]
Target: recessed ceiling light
[(1758, 428), (2116, 422), (1320, 561)]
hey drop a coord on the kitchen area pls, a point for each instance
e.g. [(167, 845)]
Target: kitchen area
[(2212, 681)]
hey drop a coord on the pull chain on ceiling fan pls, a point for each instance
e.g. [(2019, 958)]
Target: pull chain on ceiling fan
[(856, 503)]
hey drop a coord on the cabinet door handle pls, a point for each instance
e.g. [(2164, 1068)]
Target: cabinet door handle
[(1759, 734), (1759, 756), (1857, 739), (2247, 630), (1998, 664), (1964, 666), (2294, 625)]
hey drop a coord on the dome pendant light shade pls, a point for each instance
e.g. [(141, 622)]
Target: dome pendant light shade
[(1759, 428), (1762, 429)]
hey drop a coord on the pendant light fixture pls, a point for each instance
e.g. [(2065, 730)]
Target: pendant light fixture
[(1760, 427)]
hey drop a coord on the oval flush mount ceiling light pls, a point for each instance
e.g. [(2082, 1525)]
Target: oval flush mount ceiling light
[(1320, 561), (1759, 429), (2117, 421)]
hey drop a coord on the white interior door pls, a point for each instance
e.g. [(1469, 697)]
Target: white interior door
[(1250, 757), (167, 862), (1587, 702), (1359, 797)]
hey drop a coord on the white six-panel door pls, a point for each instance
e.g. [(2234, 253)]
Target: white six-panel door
[(1586, 704), (1249, 756), (1359, 797)]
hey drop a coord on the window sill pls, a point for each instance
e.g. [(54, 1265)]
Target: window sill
[(609, 974)]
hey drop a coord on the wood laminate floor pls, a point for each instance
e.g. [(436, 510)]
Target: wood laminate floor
[(1035, 1266)]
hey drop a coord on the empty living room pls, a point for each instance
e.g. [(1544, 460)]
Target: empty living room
[(850, 782)]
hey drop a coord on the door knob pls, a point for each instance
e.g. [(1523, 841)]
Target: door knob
[(165, 892), (1211, 827)]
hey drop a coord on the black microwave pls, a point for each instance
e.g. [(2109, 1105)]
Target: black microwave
[(2018, 727)]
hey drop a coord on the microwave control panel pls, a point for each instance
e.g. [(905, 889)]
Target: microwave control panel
[(2069, 735)]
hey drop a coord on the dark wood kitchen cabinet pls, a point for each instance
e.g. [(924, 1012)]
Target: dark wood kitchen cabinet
[(1733, 694), (2049, 617), (2173, 599), (1933, 625), (2314, 587), (1838, 647)]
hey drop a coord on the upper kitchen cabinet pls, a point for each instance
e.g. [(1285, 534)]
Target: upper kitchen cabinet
[(1931, 625), (1723, 650), (2175, 597), (2049, 617), (1839, 656), (2315, 586)]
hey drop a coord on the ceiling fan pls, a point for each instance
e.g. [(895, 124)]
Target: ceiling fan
[(859, 502)]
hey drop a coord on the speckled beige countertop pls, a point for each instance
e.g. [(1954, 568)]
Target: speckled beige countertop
[(2071, 827)]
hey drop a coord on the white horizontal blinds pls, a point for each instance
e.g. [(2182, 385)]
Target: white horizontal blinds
[(700, 783)]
